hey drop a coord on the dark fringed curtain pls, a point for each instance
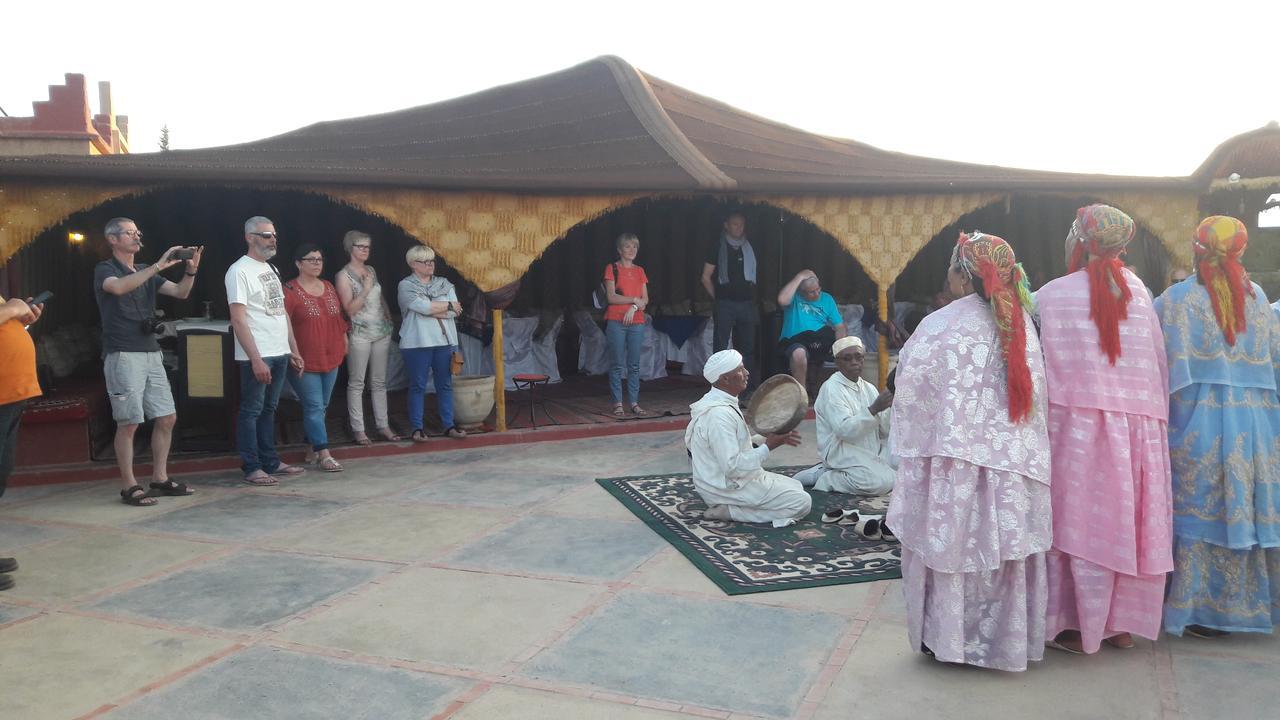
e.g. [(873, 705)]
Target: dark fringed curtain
[(1037, 228)]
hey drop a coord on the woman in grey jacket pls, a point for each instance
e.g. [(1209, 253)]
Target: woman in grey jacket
[(428, 337)]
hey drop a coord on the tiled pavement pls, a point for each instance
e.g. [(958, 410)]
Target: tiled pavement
[(495, 582)]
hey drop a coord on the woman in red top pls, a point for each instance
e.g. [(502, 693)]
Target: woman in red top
[(628, 294), (321, 334)]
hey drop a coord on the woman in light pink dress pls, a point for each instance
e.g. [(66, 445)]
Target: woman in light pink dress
[(972, 503), (1108, 427)]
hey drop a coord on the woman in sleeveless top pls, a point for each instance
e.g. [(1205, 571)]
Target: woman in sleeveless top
[(369, 339)]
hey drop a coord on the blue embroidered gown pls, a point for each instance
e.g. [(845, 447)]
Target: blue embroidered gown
[(1224, 443)]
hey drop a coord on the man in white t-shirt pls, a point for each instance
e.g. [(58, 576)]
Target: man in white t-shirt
[(265, 350)]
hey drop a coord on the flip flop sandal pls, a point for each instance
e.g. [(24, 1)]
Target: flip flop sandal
[(638, 411), (419, 436), (618, 411), (362, 439), (456, 432), (390, 435), (287, 470), (136, 496), (840, 517), (330, 465), (172, 488), (869, 528), (258, 477)]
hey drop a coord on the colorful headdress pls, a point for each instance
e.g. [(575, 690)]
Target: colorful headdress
[(991, 260), (1100, 234), (1219, 243)]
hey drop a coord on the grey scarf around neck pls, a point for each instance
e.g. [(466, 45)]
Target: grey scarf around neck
[(748, 259)]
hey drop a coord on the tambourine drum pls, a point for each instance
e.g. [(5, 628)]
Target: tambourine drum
[(777, 406)]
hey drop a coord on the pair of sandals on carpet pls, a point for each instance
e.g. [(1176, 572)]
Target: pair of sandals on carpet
[(138, 496), (635, 410), (870, 527)]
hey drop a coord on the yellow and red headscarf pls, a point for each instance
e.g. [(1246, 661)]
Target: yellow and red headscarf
[(1100, 234), (991, 260), (1219, 243)]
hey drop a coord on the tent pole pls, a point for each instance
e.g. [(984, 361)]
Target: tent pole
[(499, 373), (883, 345)]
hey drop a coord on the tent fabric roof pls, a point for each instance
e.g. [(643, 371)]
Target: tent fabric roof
[(1253, 154), (601, 125)]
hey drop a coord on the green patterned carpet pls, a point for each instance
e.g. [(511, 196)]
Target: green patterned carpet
[(746, 558)]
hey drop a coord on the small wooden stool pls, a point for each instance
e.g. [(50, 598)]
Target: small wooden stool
[(528, 382)]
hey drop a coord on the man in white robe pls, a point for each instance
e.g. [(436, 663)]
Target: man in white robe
[(853, 429), (727, 471)]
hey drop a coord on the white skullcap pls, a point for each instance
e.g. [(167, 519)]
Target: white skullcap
[(721, 363), (847, 342)]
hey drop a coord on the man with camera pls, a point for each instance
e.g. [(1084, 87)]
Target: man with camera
[(136, 381)]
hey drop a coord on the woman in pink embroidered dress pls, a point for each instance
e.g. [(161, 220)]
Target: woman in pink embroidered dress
[(1108, 429), (971, 505)]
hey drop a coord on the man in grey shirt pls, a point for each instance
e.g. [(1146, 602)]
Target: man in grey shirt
[(136, 381)]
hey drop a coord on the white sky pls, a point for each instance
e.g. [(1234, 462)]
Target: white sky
[(1126, 86)]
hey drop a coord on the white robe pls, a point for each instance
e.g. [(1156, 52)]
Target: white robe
[(728, 471), (853, 444)]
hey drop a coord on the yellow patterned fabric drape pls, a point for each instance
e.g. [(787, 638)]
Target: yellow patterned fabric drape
[(491, 238), (26, 210), (883, 232), (1172, 217)]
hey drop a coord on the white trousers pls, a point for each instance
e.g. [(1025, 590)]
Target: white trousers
[(876, 480), (371, 357), (768, 498)]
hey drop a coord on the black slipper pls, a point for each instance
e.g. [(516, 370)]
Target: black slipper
[(8, 565), (136, 496), (172, 488)]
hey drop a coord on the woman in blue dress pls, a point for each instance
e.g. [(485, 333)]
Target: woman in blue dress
[(1222, 341)]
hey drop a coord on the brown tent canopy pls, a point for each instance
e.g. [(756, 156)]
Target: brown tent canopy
[(598, 126)]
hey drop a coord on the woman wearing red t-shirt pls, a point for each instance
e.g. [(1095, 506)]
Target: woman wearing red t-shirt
[(628, 294), (321, 333)]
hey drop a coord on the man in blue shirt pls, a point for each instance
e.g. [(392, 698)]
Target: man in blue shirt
[(810, 324)]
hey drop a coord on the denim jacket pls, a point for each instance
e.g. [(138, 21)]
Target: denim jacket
[(418, 329)]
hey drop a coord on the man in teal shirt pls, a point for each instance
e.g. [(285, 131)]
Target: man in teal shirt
[(811, 322)]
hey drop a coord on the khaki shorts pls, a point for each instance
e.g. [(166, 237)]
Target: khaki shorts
[(137, 386)]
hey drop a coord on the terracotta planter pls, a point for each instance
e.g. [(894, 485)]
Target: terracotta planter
[(472, 399)]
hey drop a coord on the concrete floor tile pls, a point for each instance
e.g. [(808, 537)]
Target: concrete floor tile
[(673, 571), (268, 683), (1213, 688), (1252, 645), (893, 606), (574, 547), (739, 657), (63, 570), (883, 673), (495, 488), (10, 613), (445, 616), (15, 534), (515, 703), (24, 493), (589, 501), (354, 483), (245, 591), (100, 505), (406, 532), (242, 516), (62, 666)]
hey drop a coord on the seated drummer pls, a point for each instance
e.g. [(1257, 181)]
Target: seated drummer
[(810, 323), (853, 430), (727, 470)]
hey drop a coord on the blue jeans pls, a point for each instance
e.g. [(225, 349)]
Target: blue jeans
[(438, 361), (314, 390), (256, 423), (625, 343)]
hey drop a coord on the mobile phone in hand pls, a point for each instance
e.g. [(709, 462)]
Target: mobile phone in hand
[(41, 299)]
